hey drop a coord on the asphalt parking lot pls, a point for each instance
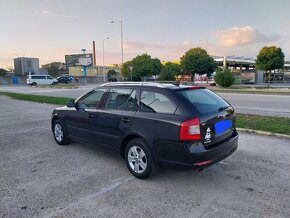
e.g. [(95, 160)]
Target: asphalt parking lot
[(39, 178)]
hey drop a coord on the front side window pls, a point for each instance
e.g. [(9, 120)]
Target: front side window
[(121, 99), (155, 102), (49, 77), (91, 100)]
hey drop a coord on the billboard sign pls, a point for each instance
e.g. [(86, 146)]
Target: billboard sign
[(78, 60)]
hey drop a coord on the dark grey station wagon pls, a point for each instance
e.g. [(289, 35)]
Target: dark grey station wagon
[(151, 125)]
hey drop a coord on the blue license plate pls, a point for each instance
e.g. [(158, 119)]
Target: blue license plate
[(222, 127)]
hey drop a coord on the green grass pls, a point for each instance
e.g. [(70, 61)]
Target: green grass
[(262, 92), (268, 124), (252, 90), (37, 98)]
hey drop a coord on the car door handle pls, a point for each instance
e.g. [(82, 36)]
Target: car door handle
[(90, 115), (125, 119)]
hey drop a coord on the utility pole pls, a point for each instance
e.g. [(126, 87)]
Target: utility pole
[(122, 43), (104, 50)]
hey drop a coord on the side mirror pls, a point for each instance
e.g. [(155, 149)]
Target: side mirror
[(71, 103)]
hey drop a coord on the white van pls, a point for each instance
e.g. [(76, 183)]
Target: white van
[(40, 80)]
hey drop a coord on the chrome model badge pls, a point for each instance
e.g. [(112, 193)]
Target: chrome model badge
[(208, 135)]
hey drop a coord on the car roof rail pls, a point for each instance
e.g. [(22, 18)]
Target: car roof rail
[(153, 84)]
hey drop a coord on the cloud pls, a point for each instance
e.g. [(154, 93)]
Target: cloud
[(47, 13), (141, 45), (247, 35)]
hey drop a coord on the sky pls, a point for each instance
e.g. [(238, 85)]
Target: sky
[(166, 29)]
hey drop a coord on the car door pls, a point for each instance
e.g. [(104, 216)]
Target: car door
[(40, 80), (78, 119), (43, 80), (49, 80), (158, 118), (114, 117)]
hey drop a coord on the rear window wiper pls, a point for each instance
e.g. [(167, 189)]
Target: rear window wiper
[(223, 108)]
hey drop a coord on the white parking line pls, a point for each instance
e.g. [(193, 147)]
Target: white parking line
[(83, 200)]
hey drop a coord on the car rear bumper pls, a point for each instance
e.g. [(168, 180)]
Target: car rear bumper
[(193, 155)]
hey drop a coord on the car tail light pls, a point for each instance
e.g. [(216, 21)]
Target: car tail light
[(189, 130)]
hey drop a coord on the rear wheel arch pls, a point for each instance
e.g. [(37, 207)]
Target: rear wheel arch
[(127, 139), (139, 159)]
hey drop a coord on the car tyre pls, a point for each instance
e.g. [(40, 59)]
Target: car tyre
[(34, 84), (60, 133), (139, 159)]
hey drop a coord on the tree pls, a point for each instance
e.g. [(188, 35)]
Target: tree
[(157, 66), (169, 71), (143, 66), (55, 68), (197, 61), (270, 58), (3, 72), (112, 73), (125, 72), (224, 78)]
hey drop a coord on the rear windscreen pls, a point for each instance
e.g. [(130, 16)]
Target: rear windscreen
[(204, 100)]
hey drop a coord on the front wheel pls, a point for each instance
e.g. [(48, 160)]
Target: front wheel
[(139, 159), (59, 133)]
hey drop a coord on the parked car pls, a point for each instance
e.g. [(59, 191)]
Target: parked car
[(64, 79), (151, 125), (40, 80), (112, 79)]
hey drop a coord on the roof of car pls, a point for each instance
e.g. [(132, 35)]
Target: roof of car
[(153, 84)]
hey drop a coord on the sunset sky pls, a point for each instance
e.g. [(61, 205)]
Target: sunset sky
[(49, 29)]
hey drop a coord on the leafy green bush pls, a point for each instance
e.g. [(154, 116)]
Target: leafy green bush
[(169, 71), (224, 78)]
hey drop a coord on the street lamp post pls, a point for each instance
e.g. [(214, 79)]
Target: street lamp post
[(104, 50), (122, 46), (131, 69), (84, 67)]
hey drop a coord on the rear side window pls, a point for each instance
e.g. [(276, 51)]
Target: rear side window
[(155, 102), (204, 100), (121, 99)]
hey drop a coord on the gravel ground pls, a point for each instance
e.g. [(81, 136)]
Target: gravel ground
[(39, 178)]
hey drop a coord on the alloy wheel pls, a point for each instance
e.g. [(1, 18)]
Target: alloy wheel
[(137, 159), (58, 133)]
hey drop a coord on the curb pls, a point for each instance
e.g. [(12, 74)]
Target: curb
[(263, 133)]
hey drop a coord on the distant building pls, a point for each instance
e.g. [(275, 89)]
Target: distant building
[(93, 70), (24, 66), (43, 71), (245, 71)]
